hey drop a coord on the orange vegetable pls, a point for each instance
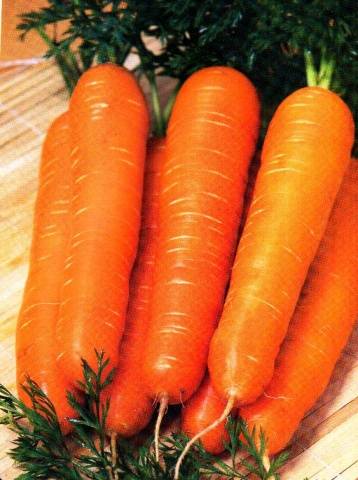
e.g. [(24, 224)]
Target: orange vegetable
[(200, 411), (211, 137), (322, 323), (35, 356), (109, 120), (131, 407), (305, 153)]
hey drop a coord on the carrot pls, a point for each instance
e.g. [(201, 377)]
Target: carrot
[(321, 325), (205, 405), (130, 406), (109, 120), (305, 154), (211, 137), (35, 355), (201, 410)]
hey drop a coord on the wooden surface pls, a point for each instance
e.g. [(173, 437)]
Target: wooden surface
[(326, 445)]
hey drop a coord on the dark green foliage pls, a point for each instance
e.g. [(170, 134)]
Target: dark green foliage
[(42, 452), (40, 449), (264, 38), (286, 29)]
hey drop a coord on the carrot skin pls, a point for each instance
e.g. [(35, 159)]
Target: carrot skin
[(109, 120), (35, 352), (320, 328), (211, 138), (305, 153), (200, 411), (205, 405), (131, 407)]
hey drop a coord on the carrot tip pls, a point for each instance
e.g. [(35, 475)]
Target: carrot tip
[(267, 464), (114, 448), (163, 406)]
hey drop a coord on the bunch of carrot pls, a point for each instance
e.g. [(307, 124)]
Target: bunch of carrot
[(136, 252)]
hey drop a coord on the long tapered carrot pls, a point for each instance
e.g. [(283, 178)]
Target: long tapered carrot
[(35, 349), (109, 121), (211, 137), (205, 405), (322, 323), (305, 153), (130, 405)]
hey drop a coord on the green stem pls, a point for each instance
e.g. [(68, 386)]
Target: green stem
[(323, 77), (323, 63), (66, 75), (311, 74), (67, 63), (72, 58), (111, 54), (159, 124)]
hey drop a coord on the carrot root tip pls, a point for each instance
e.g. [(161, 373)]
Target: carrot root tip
[(267, 464), (114, 449), (163, 406)]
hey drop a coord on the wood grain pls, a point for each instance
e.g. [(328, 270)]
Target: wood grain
[(326, 444)]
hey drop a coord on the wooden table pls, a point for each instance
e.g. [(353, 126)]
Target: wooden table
[(326, 445)]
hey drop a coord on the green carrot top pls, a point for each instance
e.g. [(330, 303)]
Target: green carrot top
[(281, 45)]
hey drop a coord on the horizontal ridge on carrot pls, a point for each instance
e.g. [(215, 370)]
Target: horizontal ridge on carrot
[(211, 138), (35, 349), (109, 120), (323, 320), (305, 153), (130, 405)]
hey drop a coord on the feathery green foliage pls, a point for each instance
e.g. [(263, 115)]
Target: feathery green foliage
[(269, 40), (42, 452)]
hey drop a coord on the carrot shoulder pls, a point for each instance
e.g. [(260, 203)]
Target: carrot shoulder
[(305, 153), (130, 405), (109, 120), (35, 346), (321, 325), (211, 138)]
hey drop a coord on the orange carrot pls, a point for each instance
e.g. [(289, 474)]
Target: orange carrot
[(109, 120), (322, 323), (130, 406), (211, 137), (200, 411), (305, 153), (35, 355)]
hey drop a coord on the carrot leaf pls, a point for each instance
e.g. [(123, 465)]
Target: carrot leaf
[(40, 449), (265, 39)]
